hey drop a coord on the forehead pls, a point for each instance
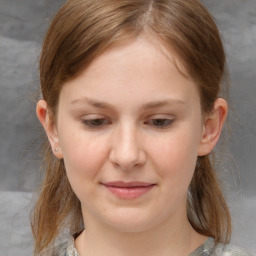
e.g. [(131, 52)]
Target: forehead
[(145, 47), (142, 66)]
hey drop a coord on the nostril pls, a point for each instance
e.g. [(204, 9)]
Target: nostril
[(128, 162), (126, 151)]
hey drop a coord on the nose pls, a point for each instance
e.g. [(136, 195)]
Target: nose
[(127, 151)]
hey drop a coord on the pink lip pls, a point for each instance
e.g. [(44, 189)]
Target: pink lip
[(128, 190)]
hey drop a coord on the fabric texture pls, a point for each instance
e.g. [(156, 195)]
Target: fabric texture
[(209, 248)]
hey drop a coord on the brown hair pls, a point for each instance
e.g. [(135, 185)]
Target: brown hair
[(83, 29)]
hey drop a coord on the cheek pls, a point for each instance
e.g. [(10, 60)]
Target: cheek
[(83, 155), (175, 158)]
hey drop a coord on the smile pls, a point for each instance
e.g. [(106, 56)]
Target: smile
[(129, 190)]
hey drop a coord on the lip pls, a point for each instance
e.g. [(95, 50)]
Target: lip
[(128, 190)]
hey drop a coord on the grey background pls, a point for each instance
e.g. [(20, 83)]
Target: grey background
[(22, 26)]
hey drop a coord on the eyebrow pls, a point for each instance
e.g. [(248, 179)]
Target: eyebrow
[(146, 106)]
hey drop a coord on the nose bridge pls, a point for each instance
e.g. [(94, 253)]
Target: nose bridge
[(127, 151)]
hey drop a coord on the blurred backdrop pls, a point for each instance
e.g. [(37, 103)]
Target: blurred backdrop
[(22, 27)]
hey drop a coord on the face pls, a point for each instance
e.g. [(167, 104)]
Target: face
[(129, 129)]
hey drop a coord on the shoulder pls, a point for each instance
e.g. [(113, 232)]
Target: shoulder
[(211, 248), (64, 249), (60, 250), (229, 250)]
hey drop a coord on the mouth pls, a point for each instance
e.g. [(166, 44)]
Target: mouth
[(128, 190)]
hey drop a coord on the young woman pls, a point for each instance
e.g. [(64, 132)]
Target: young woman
[(132, 110)]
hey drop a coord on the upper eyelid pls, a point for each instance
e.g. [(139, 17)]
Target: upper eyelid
[(93, 119), (92, 116), (151, 117)]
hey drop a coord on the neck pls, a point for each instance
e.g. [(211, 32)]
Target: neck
[(176, 238)]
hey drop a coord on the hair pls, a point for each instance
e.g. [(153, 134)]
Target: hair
[(82, 30)]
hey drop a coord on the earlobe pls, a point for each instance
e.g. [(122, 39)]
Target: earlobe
[(45, 119), (212, 128)]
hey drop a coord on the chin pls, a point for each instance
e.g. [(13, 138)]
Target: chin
[(130, 222)]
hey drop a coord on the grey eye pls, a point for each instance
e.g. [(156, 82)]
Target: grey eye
[(161, 122), (95, 123)]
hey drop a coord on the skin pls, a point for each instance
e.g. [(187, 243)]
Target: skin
[(126, 142)]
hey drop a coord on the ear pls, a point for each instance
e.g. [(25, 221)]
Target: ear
[(212, 127), (43, 114)]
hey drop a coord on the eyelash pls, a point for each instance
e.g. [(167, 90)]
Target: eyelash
[(167, 122), (89, 123)]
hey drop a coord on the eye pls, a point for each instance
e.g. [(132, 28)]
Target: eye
[(95, 123), (161, 123)]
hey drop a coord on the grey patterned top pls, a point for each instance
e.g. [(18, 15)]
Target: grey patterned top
[(209, 248)]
